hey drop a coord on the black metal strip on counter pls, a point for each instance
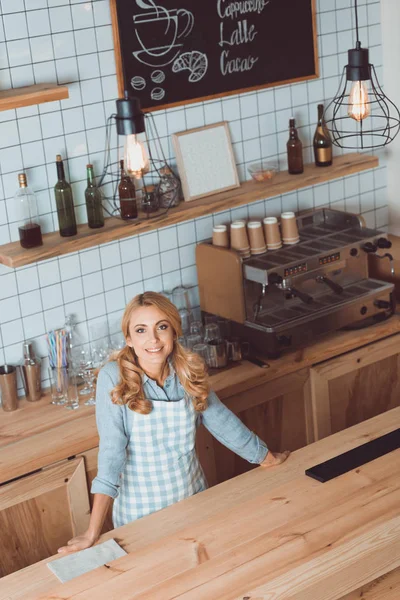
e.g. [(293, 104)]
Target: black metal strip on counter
[(355, 458)]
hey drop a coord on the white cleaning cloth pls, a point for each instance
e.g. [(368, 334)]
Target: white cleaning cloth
[(73, 565)]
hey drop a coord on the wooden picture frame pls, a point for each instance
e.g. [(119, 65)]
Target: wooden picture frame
[(205, 160), (154, 95)]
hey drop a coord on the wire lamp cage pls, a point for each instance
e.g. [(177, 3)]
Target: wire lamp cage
[(361, 116), (140, 147)]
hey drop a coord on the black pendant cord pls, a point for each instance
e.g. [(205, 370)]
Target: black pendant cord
[(357, 33)]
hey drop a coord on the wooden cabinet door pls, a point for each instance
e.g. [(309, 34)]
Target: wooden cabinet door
[(355, 386), (277, 411), (41, 512)]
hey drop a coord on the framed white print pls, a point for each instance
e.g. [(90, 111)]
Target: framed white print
[(205, 160)]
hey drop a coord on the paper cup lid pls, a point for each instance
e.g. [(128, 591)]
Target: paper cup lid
[(270, 220), (220, 228), (254, 224), (288, 215), (237, 224)]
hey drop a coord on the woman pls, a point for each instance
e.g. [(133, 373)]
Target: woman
[(148, 404)]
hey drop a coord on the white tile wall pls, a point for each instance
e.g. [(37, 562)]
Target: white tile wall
[(71, 42)]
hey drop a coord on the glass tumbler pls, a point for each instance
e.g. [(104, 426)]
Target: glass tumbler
[(185, 320), (192, 340), (211, 333), (203, 351), (196, 327), (72, 398), (59, 385), (180, 297)]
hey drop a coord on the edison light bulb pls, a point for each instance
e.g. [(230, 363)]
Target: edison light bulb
[(136, 159), (359, 106)]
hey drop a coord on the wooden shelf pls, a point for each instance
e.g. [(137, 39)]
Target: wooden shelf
[(33, 94), (12, 255)]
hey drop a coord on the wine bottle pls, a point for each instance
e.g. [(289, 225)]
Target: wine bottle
[(322, 141), (294, 150), (64, 202), (30, 233), (127, 195), (94, 206)]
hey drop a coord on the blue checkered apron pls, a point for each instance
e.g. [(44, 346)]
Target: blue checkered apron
[(161, 466)]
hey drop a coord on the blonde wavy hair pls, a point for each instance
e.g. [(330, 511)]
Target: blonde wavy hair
[(190, 367)]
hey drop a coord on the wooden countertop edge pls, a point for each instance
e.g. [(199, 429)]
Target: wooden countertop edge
[(78, 433), (37, 581)]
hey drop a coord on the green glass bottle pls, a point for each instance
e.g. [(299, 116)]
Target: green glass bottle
[(94, 207), (64, 202)]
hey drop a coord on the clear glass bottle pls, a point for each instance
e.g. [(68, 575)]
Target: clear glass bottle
[(94, 206), (30, 233), (127, 195), (294, 150), (168, 189), (64, 202), (322, 142)]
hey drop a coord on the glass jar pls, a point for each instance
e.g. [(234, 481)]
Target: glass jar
[(149, 202), (168, 189), (30, 233)]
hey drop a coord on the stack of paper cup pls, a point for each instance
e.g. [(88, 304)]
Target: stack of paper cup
[(239, 239), (290, 233), (272, 233), (256, 237), (220, 236)]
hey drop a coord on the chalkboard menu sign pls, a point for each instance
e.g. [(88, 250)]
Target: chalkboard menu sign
[(171, 52)]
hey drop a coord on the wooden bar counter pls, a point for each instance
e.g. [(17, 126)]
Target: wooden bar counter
[(267, 534), (48, 455)]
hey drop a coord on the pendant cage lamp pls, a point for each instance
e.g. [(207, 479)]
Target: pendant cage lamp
[(361, 116), (139, 147)]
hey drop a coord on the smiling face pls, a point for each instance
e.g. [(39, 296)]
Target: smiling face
[(151, 336)]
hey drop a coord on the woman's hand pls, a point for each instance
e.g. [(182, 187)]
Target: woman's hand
[(274, 459), (80, 542)]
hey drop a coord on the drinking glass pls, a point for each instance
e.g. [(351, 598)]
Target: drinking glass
[(180, 297), (72, 398), (58, 384), (89, 375), (192, 340), (100, 350), (80, 358), (211, 333), (185, 320), (203, 351), (210, 319), (196, 327)]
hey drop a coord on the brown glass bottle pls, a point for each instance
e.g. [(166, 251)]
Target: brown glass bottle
[(127, 195), (322, 141), (294, 150)]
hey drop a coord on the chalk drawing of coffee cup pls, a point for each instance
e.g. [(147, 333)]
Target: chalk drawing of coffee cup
[(160, 34)]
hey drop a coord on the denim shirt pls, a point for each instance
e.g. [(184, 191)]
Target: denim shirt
[(114, 424)]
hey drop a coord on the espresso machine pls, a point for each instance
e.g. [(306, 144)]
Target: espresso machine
[(286, 298)]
